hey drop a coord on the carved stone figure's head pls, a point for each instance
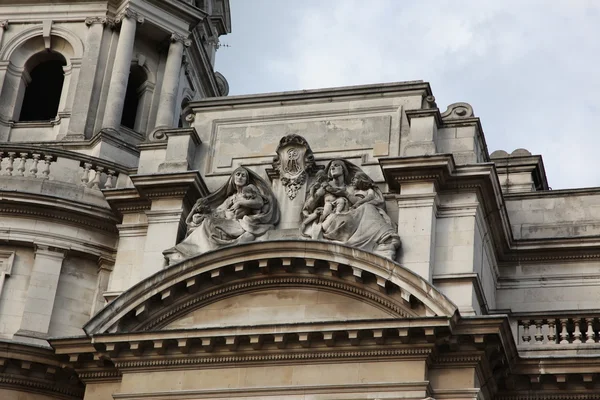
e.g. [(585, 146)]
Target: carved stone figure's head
[(361, 181), (240, 177), (336, 169)]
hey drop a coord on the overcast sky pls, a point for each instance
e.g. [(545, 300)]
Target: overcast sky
[(529, 68)]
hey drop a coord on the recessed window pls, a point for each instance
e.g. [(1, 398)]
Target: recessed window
[(135, 90), (43, 91)]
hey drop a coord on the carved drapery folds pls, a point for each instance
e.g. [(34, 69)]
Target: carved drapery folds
[(294, 161), (344, 205), (239, 212)]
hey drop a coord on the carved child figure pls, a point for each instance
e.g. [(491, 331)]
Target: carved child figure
[(363, 190)]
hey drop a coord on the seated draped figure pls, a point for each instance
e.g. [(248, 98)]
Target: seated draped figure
[(241, 210), (344, 205)]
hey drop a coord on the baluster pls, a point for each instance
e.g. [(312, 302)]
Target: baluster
[(526, 335), (577, 331), (34, 165), (591, 335), (539, 338), (1, 158), (46, 168), (21, 166), (11, 163), (109, 179), (564, 335), (552, 331), (85, 178), (96, 180)]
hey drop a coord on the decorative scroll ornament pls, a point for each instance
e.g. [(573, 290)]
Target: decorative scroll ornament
[(4, 24), (458, 111), (175, 37), (89, 21), (129, 13), (293, 160)]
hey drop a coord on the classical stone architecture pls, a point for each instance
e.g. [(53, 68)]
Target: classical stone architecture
[(160, 240)]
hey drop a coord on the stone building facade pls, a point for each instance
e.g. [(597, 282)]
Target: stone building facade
[(161, 240)]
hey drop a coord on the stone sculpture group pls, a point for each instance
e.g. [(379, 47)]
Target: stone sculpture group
[(342, 205)]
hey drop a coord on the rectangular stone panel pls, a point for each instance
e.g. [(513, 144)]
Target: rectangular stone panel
[(249, 142)]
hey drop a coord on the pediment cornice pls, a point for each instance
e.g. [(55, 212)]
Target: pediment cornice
[(294, 263)]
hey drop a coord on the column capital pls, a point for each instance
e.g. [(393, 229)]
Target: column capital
[(175, 37), (89, 21), (3, 24), (129, 13)]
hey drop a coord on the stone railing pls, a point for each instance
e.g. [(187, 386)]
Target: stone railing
[(59, 165), (558, 330)]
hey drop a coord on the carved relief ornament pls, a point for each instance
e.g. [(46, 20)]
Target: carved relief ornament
[(129, 13), (294, 160), (175, 37)]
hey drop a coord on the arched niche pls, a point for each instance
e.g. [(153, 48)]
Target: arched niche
[(28, 50), (377, 287)]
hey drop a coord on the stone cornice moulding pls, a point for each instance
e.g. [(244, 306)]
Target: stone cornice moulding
[(41, 360), (417, 88), (184, 272), (167, 15), (173, 184), (483, 179), (65, 12), (267, 392)]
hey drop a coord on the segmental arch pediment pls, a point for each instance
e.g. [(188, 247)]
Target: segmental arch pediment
[(361, 285)]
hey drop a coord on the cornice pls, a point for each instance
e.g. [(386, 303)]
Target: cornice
[(267, 392), (32, 368), (53, 208), (38, 385), (483, 178), (281, 358), (275, 259), (423, 113), (300, 96)]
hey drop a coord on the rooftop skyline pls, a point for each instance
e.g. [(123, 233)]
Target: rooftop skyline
[(527, 68)]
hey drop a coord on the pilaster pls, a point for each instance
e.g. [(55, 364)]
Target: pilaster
[(417, 209), (3, 27), (105, 267), (41, 294), (85, 85)]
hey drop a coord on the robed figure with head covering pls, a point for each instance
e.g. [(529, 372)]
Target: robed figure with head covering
[(241, 210), (344, 205)]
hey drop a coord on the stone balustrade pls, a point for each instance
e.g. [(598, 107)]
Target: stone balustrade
[(559, 331), (59, 165)]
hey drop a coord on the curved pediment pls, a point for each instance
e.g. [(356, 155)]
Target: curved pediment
[(351, 283), (281, 306)]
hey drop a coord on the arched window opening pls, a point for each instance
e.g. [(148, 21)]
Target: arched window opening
[(43, 91), (135, 90)]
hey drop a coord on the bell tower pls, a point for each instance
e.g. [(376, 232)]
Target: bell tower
[(101, 77)]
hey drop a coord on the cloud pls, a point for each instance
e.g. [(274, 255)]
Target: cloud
[(528, 68)]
